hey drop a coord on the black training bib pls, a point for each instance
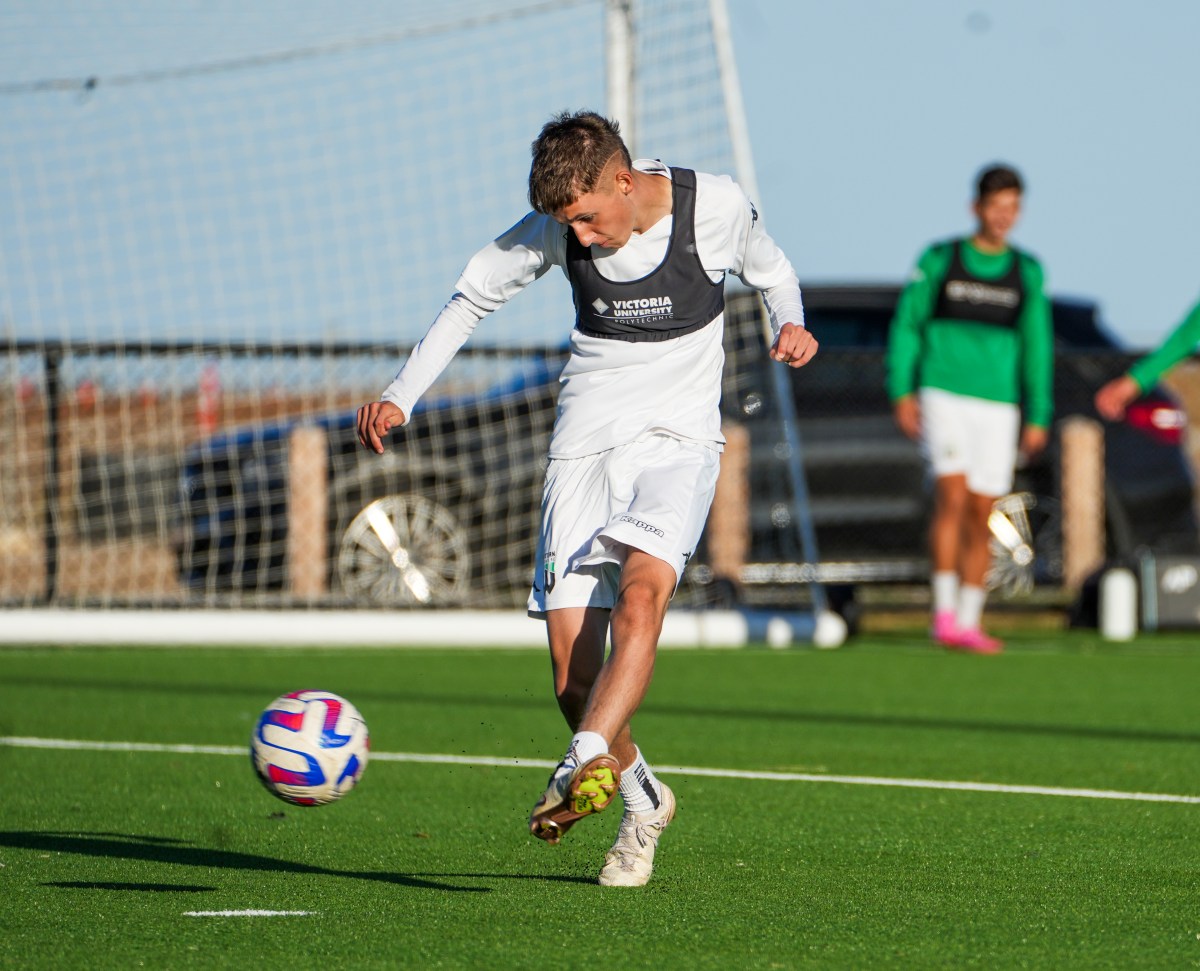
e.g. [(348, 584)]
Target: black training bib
[(674, 299), (964, 296)]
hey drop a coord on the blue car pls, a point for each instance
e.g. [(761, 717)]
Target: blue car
[(446, 517)]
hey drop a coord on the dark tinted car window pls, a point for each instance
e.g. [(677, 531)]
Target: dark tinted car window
[(849, 328)]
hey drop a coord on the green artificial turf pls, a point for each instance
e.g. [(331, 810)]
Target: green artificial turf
[(429, 865)]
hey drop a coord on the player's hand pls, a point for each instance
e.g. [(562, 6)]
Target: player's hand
[(1116, 396), (1033, 441), (375, 421), (907, 412), (794, 346)]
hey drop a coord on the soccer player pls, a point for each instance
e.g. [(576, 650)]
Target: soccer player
[(636, 443), (970, 340), (1119, 393)]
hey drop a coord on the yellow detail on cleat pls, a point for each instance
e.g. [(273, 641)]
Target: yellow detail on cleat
[(590, 789), (596, 791)]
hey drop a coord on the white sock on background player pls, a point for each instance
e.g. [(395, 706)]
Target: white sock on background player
[(945, 591), (970, 607)]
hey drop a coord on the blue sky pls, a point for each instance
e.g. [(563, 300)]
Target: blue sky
[(329, 198), (870, 118)]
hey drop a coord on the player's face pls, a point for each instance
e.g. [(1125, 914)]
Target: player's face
[(603, 217), (997, 213)]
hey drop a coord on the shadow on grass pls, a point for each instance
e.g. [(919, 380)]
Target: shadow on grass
[(158, 850)]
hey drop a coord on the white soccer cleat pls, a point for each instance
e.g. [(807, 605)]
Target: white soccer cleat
[(631, 860)]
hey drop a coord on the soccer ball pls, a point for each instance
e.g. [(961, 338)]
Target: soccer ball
[(309, 747)]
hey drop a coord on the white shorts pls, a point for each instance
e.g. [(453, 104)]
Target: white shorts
[(961, 435), (652, 495)]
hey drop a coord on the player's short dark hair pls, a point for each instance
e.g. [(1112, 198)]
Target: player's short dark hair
[(568, 157), (997, 178)]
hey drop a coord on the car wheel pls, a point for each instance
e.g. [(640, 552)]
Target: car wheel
[(404, 551)]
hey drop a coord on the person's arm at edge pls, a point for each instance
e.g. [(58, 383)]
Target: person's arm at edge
[(1116, 396), (1179, 344)]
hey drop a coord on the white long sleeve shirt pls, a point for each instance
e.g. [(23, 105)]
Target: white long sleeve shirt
[(615, 392)]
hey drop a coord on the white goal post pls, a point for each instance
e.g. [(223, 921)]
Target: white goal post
[(215, 244)]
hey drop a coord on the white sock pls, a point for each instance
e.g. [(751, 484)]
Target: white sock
[(970, 607), (945, 591), (640, 789), (584, 746)]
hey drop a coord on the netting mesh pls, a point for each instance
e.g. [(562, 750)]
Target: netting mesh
[(220, 226)]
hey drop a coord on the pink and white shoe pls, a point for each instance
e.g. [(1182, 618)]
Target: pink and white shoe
[(945, 628), (972, 640)]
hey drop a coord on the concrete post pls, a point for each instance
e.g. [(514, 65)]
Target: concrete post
[(308, 507), (1082, 479), (729, 519)]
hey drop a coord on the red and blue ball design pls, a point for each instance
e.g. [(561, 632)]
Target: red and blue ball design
[(310, 747)]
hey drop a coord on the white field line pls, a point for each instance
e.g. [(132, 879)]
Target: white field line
[(248, 913), (519, 763)]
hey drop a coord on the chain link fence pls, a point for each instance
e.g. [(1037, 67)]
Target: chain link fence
[(233, 491)]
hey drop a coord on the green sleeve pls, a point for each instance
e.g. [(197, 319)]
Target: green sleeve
[(1037, 347), (1178, 345), (913, 309)]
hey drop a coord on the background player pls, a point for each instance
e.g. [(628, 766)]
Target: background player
[(971, 338), (635, 449)]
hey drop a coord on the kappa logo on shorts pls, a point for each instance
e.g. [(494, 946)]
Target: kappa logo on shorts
[(641, 525)]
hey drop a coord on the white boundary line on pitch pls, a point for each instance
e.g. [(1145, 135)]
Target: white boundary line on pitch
[(518, 763), (472, 629), (249, 913)]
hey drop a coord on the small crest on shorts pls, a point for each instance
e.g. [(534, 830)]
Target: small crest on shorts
[(548, 573)]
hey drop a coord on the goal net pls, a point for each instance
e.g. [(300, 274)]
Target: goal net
[(220, 234)]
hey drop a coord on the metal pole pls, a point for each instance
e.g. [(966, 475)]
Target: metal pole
[(735, 109), (53, 468), (743, 160), (619, 65)]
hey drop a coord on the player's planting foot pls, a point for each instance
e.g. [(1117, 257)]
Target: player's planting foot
[(975, 641), (631, 860), (574, 792), (945, 628)]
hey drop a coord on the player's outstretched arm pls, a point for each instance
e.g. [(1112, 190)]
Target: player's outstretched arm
[(375, 420), (1116, 396), (795, 346)]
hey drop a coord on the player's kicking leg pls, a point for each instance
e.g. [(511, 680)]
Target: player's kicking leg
[(674, 481), (586, 780), (599, 698)]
